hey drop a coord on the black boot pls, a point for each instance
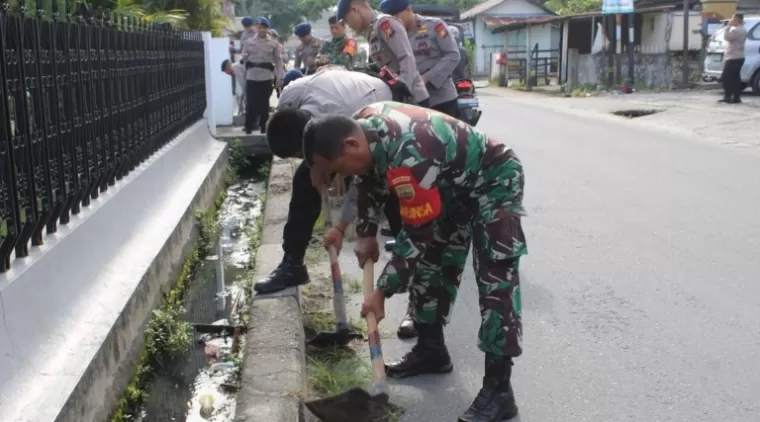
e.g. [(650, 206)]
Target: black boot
[(428, 356), (496, 400), (406, 328), (290, 272), (389, 245)]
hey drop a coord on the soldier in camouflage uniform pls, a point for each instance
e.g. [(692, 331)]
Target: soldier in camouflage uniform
[(455, 185), (340, 50)]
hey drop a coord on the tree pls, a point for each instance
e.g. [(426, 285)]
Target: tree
[(569, 7)]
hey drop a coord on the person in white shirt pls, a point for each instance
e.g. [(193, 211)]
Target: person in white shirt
[(237, 71), (736, 37)]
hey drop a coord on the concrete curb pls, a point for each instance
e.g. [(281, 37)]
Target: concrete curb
[(274, 364)]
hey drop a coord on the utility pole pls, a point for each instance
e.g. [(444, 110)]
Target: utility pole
[(631, 56), (685, 64)]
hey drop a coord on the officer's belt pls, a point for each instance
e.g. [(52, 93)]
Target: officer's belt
[(268, 66)]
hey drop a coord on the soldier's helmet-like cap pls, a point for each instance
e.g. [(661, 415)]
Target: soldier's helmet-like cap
[(343, 7), (291, 76), (247, 22), (274, 33), (263, 21), (302, 29), (333, 20), (392, 7)]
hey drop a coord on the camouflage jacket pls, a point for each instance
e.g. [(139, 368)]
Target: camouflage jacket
[(434, 163), (340, 51)]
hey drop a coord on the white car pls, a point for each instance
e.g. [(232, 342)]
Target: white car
[(750, 74)]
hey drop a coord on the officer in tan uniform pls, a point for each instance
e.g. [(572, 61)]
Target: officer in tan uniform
[(307, 51), (275, 36), (388, 43), (264, 70), (435, 51)]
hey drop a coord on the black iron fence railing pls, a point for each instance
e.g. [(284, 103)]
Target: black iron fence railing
[(87, 97)]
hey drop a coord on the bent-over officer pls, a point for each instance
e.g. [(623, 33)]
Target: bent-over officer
[(456, 185), (435, 52), (388, 43), (333, 89), (307, 51), (341, 49), (263, 63)]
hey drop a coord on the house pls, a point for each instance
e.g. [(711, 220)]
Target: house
[(489, 14)]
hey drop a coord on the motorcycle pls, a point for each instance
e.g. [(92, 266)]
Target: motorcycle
[(467, 99)]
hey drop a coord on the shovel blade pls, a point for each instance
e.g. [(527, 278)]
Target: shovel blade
[(337, 339), (355, 405)]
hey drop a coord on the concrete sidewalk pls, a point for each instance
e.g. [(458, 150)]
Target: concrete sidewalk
[(693, 113)]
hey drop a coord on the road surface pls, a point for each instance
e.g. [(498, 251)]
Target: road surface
[(641, 293)]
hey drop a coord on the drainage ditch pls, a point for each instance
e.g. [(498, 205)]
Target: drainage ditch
[(193, 350), (632, 114)]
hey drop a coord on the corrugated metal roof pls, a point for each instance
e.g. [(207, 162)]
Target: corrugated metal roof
[(480, 8), (493, 23)]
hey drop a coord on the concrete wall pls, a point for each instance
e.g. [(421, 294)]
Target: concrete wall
[(75, 310), (658, 71), (219, 99)]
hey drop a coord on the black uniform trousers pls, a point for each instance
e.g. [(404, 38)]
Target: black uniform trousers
[(732, 80), (257, 103), (305, 207)]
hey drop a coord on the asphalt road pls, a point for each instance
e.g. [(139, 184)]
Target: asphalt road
[(642, 288)]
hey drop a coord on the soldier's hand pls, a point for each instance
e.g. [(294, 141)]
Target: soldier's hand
[(334, 238), (278, 83), (366, 248), (375, 304)]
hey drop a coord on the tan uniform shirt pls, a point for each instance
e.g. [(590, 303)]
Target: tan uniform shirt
[(389, 46), (437, 55), (306, 53), (262, 50)]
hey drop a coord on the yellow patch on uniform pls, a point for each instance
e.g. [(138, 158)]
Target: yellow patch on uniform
[(350, 47), (404, 191), (423, 29), (387, 29), (440, 28)]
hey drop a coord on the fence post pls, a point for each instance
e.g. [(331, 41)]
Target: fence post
[(572, 70)]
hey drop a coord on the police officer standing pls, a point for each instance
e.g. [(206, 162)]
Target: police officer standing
[(275, 36), (306, 52), (435, 51), (388, 43), (249, 29), (340, 50), (264, 70)]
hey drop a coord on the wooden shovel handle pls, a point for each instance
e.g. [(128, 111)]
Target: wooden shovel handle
[(375, 350)]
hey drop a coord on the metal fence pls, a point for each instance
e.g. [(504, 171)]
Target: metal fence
[(88, 96)]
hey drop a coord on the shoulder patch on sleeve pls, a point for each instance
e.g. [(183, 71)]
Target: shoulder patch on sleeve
[(417, 204), (441, 29), (386, 27), (350, 47)]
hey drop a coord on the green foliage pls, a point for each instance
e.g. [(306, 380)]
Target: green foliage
[(569, 7), (168, 337)]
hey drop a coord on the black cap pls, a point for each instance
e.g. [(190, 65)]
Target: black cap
[(224, 64)]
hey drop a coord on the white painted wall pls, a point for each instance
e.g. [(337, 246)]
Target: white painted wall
[(657, 26), (219, 98), (484, 37)]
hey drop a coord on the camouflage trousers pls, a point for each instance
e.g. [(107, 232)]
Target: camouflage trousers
[(491, 221)]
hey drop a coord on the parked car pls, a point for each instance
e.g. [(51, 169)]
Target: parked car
[(750, 74)]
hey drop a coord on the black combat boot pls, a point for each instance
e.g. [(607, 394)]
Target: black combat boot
[(389, 245), (291, 272), (428, 356), (406, 328), (496, 400)]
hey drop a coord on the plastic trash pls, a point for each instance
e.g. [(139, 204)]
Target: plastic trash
[(207, 405)]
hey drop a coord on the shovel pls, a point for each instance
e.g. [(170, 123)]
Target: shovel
[(344, 333), (358, 405)]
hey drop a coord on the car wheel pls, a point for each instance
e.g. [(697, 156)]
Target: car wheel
[(756, 82)]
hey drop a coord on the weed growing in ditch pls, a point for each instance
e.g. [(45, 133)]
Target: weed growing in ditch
[(168, 337), (351, 284)]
